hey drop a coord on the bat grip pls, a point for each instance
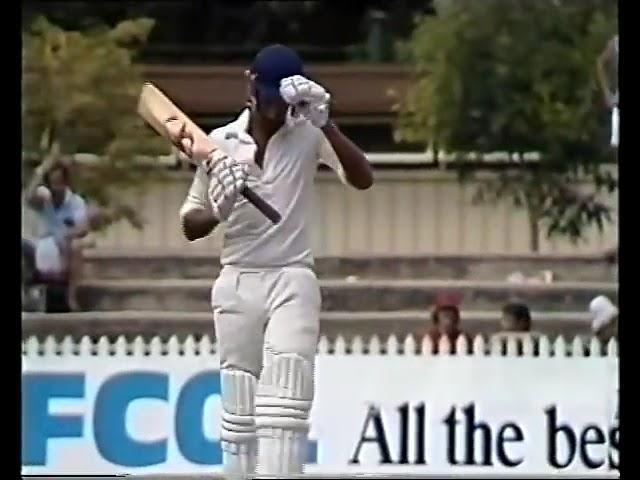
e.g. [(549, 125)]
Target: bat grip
[(262, 205)]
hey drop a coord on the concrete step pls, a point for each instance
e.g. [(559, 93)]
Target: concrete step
[(105, 264), (352, 296), (348, 324)]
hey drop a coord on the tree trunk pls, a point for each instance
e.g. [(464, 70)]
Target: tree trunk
[(534, 230)]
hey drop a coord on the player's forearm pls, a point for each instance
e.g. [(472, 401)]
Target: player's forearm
[(356, 166), (197, 223)]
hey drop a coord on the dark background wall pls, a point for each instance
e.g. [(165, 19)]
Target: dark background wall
[(205, 31)]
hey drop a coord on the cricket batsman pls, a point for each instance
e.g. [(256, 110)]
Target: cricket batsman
[(266, 301)]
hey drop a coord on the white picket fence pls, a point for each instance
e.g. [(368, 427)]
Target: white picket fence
[(542, 347)]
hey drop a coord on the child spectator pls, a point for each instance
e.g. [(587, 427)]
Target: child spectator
[(515, 323), (445, 320)]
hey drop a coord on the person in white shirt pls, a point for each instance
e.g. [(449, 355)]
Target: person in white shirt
[(608, 77), (64, 222), (266, 301), (604, 318)]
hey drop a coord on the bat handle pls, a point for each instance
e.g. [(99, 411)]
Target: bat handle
[(258, 202)]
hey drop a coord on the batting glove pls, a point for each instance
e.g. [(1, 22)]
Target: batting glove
[(317, 113), (310, 100), (227, 179), (298, 90)]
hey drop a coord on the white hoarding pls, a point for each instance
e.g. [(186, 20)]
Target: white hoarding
[(442, 414)]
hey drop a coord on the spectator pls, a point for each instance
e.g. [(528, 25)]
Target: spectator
[(604, 323), (57, 252), (445, 320), (516, 317), (515, 323)]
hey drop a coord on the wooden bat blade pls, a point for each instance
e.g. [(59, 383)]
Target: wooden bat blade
[(156, 108)]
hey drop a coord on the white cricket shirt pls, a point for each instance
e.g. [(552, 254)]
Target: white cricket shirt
[(286, 181)]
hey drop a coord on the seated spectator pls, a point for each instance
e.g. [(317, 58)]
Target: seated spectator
[(57, 250), (445, 320), (604, 323), (515, 322)]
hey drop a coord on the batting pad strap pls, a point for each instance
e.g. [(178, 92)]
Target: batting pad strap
[(237, 429), (279, 406), (234, 436), (266, 426), (241, 422), (283, 413)]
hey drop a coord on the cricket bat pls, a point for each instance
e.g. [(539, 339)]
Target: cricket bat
[(156, 108)]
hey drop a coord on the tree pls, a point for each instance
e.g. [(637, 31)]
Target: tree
[(79, 94), (518, 77)]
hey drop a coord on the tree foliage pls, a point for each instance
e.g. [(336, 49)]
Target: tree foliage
[(79, 95), (502, 75)]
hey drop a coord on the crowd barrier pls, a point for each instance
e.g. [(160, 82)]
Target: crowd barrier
[(390, 406)]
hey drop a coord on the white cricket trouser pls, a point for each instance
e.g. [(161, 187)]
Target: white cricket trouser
[(267, 324)]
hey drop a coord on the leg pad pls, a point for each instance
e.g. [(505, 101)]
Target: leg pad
[(238, 432), (283, 403)]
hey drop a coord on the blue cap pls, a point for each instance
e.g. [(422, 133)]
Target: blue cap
[(272, 64)]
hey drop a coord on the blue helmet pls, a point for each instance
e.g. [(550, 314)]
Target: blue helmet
[(272, 64)]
